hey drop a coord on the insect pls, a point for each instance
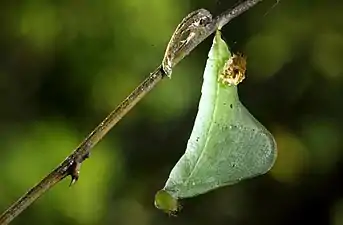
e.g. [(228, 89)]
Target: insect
[(234, 69), (191, 28), (227, 144)]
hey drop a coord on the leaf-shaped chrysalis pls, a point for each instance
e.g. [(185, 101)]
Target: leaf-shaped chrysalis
[(227, 143)]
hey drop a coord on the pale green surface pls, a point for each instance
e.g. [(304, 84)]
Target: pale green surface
[(227, 143)]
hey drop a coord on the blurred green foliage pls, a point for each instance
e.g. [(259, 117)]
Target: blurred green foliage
[(64, 65)]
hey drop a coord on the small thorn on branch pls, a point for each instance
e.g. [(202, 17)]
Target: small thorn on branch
[(74, 169)]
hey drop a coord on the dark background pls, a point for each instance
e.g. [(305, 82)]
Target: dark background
[(64, 65)]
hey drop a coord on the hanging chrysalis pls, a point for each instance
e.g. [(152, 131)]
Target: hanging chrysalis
[(227, 143)]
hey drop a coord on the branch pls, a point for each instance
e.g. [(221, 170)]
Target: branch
[(71, 165)]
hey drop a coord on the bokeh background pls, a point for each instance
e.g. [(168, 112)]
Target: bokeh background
[(64, 65)]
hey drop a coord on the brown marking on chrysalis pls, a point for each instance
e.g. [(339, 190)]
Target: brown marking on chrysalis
[(234, 70)]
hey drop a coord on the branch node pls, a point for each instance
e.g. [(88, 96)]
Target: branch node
[(74, 168)]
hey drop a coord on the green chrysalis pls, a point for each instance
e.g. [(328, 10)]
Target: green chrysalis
[(227, 143)]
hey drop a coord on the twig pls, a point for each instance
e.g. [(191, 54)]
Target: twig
[(70, 166)]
